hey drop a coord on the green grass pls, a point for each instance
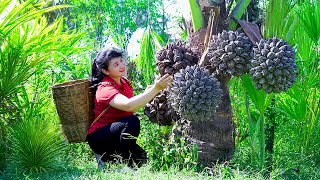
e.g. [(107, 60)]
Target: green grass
[(79, 163), (288, 166), (88, 170)]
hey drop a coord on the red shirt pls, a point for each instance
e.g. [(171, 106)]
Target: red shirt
[(105, 93)]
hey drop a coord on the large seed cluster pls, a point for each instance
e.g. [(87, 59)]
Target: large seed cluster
[(195, 93), (273, 68), (229, 53), (160, 111), (173, 57), (170, 59)]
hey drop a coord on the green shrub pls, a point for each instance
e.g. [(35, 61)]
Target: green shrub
[(35, 146), (165, 154), (77, 154)]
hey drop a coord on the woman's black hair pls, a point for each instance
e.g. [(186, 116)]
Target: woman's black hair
[(102, 62)]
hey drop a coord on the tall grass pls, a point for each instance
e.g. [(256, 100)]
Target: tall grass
[(261, 101), (34, 146), (34, 141), (299, 106)]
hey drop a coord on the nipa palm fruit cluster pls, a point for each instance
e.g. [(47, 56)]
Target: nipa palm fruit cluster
[(229, 53), (170, 59), (273, 68), (160, 111), (195, 93), (175, 56)]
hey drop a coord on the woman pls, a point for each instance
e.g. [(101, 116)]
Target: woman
[(116, 128)]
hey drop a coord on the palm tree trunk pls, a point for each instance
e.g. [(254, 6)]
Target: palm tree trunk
[(215, 138)]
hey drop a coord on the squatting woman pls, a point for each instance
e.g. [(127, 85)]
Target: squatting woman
[(115, 128)]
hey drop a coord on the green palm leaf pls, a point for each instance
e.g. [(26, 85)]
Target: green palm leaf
[(309, 14), (283, 16), (23, 13), (261, 101), (237, 13), (260, 98), (27, 40), (4, 5), (196, 13), (150, 43)]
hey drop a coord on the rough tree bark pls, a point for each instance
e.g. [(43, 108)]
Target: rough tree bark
[(215, 138)]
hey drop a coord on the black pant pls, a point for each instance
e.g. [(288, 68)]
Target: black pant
[(116, 138)]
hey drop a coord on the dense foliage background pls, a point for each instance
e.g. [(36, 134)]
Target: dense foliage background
[(43, 43)]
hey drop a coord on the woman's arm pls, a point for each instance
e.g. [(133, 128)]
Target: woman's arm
[(133, 104)]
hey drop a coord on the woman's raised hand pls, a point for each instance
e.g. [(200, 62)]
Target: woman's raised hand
[(163, 82)]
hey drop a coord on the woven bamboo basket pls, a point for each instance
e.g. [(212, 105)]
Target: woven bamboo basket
[(74, 102)]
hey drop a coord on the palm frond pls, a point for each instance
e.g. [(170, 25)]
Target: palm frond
[(146, 60), (4, 5), (23, 13), (283, 16), (237, 13), (260, 98), (196, 13), (309, 15), (27, 40)]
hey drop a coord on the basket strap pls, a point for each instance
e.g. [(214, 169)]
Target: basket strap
[(102, 113)]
